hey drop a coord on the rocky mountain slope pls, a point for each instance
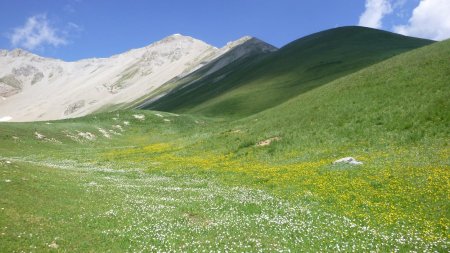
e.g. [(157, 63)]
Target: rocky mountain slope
[(37, 88)]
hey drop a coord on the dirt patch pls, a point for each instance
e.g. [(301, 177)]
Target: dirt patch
[(268, 141)]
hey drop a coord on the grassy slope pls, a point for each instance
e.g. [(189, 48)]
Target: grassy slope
[(296, 68), (207, 182)]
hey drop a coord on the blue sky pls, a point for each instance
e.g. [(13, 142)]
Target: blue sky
[(75, 29)]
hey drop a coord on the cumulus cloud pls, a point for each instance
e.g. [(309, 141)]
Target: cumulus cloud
[(35, 33), (374, 13), (430, 19)]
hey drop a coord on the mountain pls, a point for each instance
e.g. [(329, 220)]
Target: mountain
[(38, 88), (253, 85), (183, 74), (234, 54)]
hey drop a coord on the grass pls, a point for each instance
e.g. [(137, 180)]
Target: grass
[(169, 182), (256, 84)]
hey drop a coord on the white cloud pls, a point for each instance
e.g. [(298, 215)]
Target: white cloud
[(36, 32), (374, 13), (430, 19)]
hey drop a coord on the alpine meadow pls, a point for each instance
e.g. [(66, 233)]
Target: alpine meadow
[(336, 142)]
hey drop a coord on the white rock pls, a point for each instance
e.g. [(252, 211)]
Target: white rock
[(348, 160)]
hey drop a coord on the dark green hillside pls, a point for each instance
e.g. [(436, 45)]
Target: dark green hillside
[(402, 101), (244, 88)]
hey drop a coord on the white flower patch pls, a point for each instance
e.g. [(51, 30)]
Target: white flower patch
[(72, 136), (126, 123), (139, 116), (159, 115), (39, 136), (114, 132), (104, 132), (42, 137), (167, 120), (119, 127), (87, 135)]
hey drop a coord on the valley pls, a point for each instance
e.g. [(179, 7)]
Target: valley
[(236, 154)]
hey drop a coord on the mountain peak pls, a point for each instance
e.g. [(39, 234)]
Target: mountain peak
[(238, 42), (176, 37), (17, 52), (250, 42)]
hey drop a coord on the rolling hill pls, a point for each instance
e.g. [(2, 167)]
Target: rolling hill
[(252, 85)]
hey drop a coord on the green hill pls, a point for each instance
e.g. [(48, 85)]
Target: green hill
[(244, 88), (401, 101)]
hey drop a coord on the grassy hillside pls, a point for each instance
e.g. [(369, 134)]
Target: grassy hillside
[(245, 88), (168, 182)]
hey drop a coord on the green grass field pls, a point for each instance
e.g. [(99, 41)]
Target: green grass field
[(137, 180)]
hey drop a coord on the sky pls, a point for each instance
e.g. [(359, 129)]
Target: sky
[(77, 29)]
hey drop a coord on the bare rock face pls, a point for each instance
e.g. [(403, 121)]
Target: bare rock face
[(26, 71), (37, 78), (9, 85), (38, 88), (6, 90), (74, 107)]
